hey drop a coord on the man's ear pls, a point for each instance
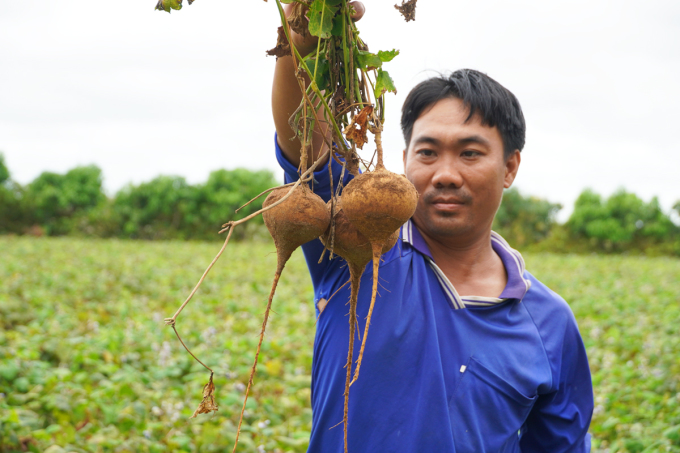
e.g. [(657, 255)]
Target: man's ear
[(511, 168), (404, 161)]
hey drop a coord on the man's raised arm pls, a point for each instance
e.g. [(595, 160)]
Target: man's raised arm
[(286, 96)]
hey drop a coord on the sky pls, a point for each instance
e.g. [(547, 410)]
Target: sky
[(141, 93)]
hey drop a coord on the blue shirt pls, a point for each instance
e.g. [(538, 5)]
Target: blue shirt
[(443, 372)]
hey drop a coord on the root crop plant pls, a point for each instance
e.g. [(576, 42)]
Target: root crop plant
[(343, 87)]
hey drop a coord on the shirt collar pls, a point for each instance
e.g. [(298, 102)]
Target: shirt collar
[(517, 285)]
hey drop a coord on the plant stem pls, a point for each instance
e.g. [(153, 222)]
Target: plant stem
[(313, 84)]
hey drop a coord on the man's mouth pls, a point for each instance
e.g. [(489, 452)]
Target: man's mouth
[(445, 202)]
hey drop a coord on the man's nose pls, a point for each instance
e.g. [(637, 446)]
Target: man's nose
[(447, 174)]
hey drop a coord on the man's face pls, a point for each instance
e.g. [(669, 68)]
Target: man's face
[(459, 171)]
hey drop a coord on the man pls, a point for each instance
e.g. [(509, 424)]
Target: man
[(467, 352)]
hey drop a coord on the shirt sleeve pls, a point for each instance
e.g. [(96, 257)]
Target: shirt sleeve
[(560, 418), (324, 180)]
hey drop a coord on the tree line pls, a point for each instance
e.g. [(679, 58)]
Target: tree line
[(168, 207)]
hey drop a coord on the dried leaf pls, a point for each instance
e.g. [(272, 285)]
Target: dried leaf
[(339, 100), (407, 9), (297, 20), (282, 45), (208, 404), (358, 126)]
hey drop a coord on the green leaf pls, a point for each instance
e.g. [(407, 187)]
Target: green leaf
[(322, 72), (337, 26), (368, 60), (387, 55), (321, 17), (384, 83), (166, 5)]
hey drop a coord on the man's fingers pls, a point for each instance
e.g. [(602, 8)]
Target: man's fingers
[(359, 9)]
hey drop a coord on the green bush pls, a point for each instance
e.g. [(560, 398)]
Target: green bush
[(524, 220), (169, 208), (54, 200), (4, 171), (622, 222), (154, 209), (14, 217)]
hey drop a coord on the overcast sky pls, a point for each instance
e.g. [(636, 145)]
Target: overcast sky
[(140, 92)]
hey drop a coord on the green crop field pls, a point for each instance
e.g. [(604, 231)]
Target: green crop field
[(87, 364)]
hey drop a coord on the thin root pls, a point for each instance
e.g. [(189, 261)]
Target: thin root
[(263, 193), (171, 321), (257, 354)]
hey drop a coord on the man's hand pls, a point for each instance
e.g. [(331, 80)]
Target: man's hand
[(307, 43), (286, 95)]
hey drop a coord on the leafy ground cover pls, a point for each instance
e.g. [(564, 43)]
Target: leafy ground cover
[(87, 365)]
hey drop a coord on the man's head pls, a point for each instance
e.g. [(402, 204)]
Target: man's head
[(481, 94), (463, 135)]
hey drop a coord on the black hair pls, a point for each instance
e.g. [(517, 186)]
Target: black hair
[(496, 105)]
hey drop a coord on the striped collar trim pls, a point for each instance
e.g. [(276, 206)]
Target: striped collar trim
[(517, 285)]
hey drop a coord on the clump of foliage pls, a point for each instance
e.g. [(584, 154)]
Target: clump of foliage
[(621, 222), (169, 208), (14, 215), (57, 199), (525, 220), (4, 171), (166, 207)]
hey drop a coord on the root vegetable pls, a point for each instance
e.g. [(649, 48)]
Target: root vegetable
[(356, 249), (299, 219), (377, 203)]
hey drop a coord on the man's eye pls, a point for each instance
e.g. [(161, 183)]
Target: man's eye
[(425, 152), (470, 153)]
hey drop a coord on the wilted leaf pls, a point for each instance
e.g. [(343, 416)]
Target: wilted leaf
[(282, 45), (339, 99), (384, 83), (387, 55), (166, 5), (297, 20), (321, 17), (208, 404), (407, 9), (358, 126)]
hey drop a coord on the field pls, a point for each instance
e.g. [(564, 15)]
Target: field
[(87, 365)]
